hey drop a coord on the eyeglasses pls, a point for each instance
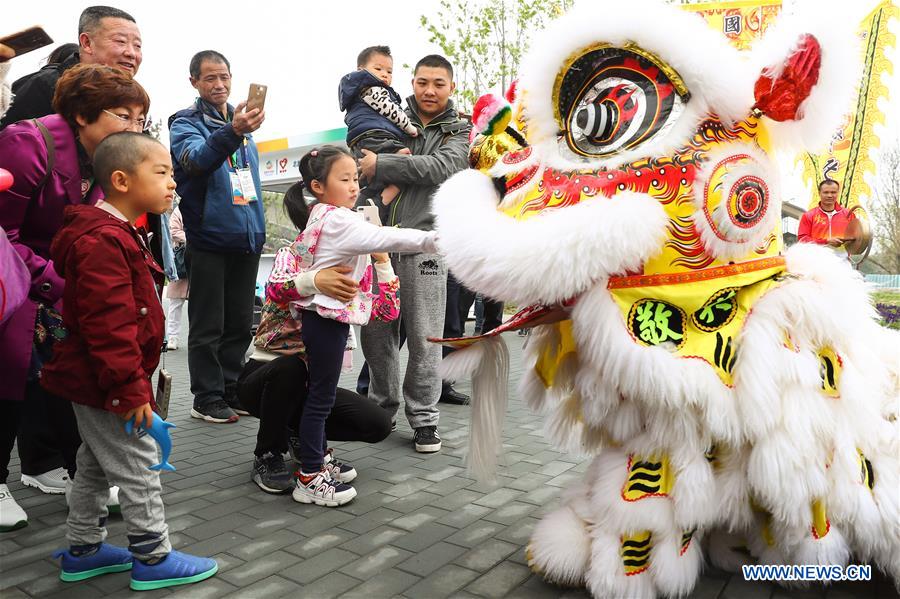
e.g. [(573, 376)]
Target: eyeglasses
[(127, 119)]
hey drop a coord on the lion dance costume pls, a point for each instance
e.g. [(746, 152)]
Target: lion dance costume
[(731, 393)]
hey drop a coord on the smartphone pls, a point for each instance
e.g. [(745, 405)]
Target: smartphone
[(257, 96), (370, 214), (163, 393), (27, 40)]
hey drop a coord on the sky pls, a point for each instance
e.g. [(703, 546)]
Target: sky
[(300, 49)]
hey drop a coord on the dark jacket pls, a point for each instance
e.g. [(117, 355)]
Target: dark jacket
[(202, 145), (31, 214), (359, 116), (33, 93), (111, 310), (439, 151)]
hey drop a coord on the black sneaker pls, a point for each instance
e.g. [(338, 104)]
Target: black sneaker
[(426, 439), (452, 396), (235, 404), (215, 411), (270, 473)]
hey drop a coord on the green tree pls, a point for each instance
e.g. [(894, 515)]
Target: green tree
[(884, 209), (486, 39)]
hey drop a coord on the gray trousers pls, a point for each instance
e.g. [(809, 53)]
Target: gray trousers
[(423, 295), (108, 456)]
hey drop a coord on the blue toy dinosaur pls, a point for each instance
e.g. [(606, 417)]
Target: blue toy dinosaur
[(159, 430)]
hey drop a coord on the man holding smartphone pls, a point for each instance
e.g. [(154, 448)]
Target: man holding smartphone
[(217, 173), (438, 152), (106, 35)]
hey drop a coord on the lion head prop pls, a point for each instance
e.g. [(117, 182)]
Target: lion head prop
[(731, 392)]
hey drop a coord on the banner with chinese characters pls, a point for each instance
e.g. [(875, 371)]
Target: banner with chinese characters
[(741, 21), (847, 159)]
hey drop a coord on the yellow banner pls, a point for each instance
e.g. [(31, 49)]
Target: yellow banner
[(847, 159), (741, 21)]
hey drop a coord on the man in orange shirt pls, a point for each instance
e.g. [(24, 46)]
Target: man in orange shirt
[(827, 223)]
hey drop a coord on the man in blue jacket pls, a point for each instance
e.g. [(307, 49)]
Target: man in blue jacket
[(216, 169)]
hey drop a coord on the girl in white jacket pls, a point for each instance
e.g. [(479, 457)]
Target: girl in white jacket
[(337, 235)]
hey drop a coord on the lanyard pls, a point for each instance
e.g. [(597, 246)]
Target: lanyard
[(233, 157)]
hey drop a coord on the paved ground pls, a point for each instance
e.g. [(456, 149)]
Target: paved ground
[(418, 529)]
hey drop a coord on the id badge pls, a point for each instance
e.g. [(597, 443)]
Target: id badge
[(248, 187), (237, 193)]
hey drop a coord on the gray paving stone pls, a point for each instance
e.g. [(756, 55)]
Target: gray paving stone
[(39, 578), (385, 584), (265, 545), (415, 520), (555, 468), (464, 515), (324, 519), (273, 586), (319, 542), (536, 588), (371, 520), (456, 500), (211, 588), (424, 536), (540, 496), (259, 528), (475, 533), (379, 560), (428, 560), (373, 539), (510, 513), (738, 588), (329, 586), (518, 533), (217, 526), (222, 542), (500, 580), (442, 583), (498, 498), (486, 555), (317, 566), (261, 567)]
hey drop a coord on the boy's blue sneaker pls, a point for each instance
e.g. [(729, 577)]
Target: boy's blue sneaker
[(175, 569), (107, 559)]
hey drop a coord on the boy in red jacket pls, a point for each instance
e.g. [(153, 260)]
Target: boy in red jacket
[(112, 312)]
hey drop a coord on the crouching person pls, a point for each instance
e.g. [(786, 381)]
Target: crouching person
[(115, 322)]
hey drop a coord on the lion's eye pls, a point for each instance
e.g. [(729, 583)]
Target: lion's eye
[(611, 100)]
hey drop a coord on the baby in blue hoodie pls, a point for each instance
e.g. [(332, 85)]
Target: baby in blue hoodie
[(374, 117)]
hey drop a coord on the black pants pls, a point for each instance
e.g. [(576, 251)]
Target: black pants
[(220, 315), (325, 341), (46, 429), (459, 300), (275, 392), (493, 310)]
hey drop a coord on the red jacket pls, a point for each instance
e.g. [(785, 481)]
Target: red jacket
[(112, 312), (817, 227)]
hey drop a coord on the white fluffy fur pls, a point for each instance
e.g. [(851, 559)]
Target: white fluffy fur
[(560, 547), (488, 364), (674, 573), (723, 550), (831, 97), (728, 94), (550, 257)]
